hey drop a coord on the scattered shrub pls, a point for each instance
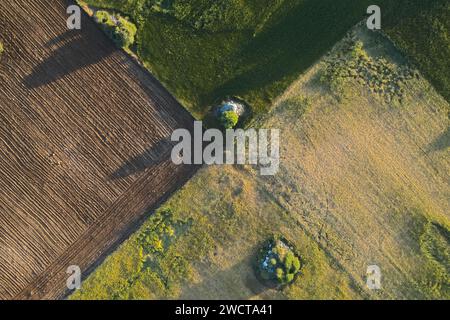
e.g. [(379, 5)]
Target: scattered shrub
[(379, 75), (155, 238), (1, 48), (104, 18)]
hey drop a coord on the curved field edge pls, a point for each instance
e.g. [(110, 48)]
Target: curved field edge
[(362, 182)]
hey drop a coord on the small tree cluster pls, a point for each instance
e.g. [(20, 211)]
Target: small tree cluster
[(278, 262), (229, 119), (119, 29)]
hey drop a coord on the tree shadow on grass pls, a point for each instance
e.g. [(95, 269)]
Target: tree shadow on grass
[(72, 51), (292, 45), (442, 142), (280, 53)]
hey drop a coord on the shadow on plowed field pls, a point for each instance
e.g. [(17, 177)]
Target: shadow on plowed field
[(151, 157), (62, 60)]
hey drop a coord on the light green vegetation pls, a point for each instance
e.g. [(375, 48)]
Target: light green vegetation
[(1, 48), (118, 28), (228, 119), (204, 51), (361, 182), (277, 262)]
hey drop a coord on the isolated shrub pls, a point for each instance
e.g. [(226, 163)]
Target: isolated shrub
[(229, 119), (1, 48)]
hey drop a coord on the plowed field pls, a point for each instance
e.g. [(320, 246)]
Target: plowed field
[(84, 147)]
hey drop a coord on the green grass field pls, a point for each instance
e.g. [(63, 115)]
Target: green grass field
[(362, 181), (204, 51), (425, 38)]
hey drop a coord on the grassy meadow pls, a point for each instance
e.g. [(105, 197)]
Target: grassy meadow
[(425, 38), (363, 180)]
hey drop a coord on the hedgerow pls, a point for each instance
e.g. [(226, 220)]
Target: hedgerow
[(119, 29)]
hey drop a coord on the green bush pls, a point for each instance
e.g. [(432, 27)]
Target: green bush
[(125, 33), (229, 119), (119, 29), (288, 261), (1, 48), (296, 265), (104, 18), (290, 277)]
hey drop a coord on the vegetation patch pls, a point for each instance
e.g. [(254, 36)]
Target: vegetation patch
[(150, 265), (118, 28), (278, 263), (295, 107)]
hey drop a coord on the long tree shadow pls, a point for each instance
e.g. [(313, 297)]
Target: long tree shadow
[(442, 142), (152, 156), (74, 50)]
